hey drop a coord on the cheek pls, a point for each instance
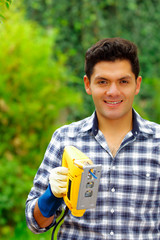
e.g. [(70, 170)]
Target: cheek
[(130, 96), (98, 93)]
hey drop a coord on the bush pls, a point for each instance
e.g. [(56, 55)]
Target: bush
[(35, 98)]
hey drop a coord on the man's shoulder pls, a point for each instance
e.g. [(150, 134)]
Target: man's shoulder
[(153, 125), (148, 127)]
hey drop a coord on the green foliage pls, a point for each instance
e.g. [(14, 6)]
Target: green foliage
[(3, 5), (38, 92), (6, 2), (22, 232), (148, 101), (83, 22), (35, 98)]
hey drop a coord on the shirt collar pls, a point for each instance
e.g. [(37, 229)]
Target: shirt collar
[(95, 125), (88, 124), (135, 129), (144, 127), (139, 125)]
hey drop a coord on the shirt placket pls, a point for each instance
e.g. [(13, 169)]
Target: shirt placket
[(112, 189)]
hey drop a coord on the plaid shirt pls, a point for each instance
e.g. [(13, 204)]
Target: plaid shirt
[(128, 203)]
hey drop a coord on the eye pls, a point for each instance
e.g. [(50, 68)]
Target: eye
[(102, 82), (124, 82)]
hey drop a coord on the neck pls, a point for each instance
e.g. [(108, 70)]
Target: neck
[(115, 126)]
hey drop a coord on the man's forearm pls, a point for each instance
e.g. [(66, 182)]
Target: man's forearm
[(40, 219)]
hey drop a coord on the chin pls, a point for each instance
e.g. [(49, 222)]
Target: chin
[(113, 116)]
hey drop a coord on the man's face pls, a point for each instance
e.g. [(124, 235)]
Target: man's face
[(113, 87)]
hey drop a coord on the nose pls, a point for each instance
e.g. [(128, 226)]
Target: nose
[(112, 90)]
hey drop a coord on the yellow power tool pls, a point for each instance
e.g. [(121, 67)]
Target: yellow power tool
[(83, 181)]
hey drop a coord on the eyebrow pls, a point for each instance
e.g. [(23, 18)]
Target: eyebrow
[(126, 77), (99, 77), (121, 78)]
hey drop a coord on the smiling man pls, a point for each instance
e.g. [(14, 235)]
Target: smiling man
[(127, 146), (113, 86)]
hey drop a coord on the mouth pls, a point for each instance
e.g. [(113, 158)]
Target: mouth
[(113, 102)]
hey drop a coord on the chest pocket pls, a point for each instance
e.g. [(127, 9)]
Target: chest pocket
[(146, 182), (146, 175), (146, 190)]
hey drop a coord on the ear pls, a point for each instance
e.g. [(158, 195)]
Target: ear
[(87, 85), (138, 85)]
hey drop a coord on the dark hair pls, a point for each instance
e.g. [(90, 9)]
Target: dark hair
[(112, 49)]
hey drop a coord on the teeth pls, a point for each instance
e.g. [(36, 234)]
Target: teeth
[(113, 102)]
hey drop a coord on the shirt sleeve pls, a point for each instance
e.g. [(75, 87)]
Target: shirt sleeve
[(52, 159)]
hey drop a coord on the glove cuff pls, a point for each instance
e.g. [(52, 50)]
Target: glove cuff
[(48, 203)]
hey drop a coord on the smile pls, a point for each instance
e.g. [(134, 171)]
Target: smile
[(113, 102)]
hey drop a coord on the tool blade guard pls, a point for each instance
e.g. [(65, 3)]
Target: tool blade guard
[(83, 181)]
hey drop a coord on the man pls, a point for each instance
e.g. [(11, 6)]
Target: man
[(127, 146)]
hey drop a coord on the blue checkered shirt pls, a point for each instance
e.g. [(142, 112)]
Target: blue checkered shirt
[(128, 203)]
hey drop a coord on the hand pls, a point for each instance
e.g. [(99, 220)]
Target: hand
[(58, 181)]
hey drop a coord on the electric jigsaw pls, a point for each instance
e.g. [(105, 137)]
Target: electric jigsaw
[(83, 181)]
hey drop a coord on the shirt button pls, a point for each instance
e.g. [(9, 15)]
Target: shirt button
[(113, 190), (114, 167), (111, 233), (147, 174), (112, 210)]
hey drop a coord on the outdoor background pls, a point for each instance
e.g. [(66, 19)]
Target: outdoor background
[(42, 48)]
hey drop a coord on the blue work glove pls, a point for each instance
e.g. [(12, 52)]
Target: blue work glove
[(52, 198)]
